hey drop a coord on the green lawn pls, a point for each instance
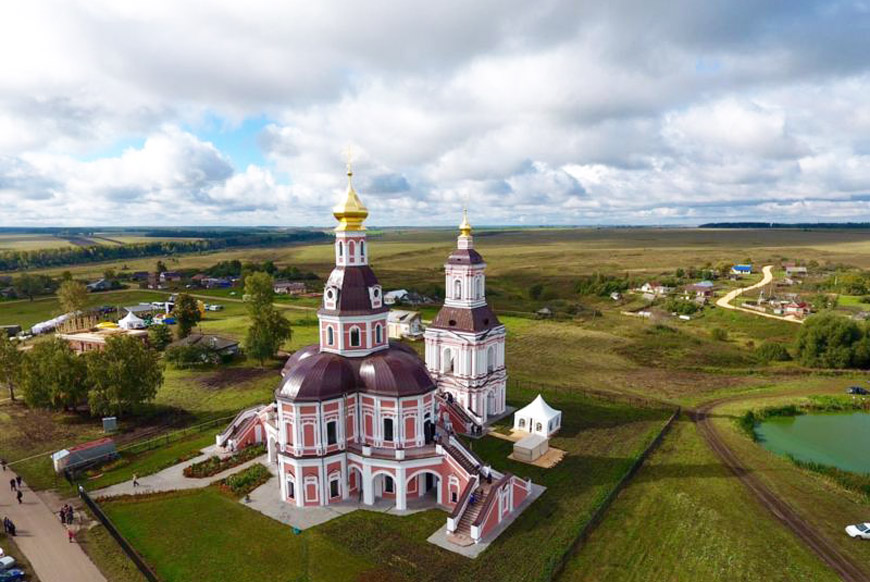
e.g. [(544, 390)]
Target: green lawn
[(206, 535), (26, 313), (685, 517)]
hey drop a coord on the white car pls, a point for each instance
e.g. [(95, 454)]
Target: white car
[(6, 562), (859, 531)]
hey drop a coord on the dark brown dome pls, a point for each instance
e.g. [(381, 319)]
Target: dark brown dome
[(312, 375), (319, 376), (465, 257), (353, 294)]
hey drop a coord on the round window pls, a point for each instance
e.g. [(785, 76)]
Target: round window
[(377, 292), (329, 294), (451, 322)]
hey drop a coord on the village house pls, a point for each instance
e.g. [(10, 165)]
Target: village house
[(741, 270), (653, 289), (699, 292), (101, 285), (359, 417), (396, 296), (170, 277), (289, 287), (798, 309), (86, 341), (792, 270), (404, 324)]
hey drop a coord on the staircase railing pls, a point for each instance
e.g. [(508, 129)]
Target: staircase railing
[(490, 502), (461, 505)]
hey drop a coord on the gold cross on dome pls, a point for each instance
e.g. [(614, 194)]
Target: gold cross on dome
[(348, 156)]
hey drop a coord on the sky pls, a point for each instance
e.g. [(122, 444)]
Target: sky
[(206, 112)]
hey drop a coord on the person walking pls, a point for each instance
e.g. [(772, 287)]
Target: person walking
[(12, 484), (70, 535), (135, 480), (18, 481), (3, 464), (18, 496)]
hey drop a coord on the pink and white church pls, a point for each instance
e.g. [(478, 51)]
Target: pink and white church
[(358, 418)]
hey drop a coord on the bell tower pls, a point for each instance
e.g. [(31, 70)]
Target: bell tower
[(465, 344)]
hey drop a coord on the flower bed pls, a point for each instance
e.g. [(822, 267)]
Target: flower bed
[(245, 481), (214, 464)]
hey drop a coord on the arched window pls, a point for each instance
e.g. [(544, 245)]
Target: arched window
[(447, 361), (362, 249), (480, 287), (378, 334), (522, 423), (538, 427), (354, 337), (340, 249), (490, 359), (457, 289), (350, 250), (330, 336)]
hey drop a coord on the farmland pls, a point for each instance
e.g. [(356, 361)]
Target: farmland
[(594, 365)]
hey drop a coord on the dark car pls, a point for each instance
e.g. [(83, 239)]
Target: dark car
[(857, 390), (12, 575)]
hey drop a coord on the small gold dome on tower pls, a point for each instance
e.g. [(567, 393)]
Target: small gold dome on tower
[(351, 212), (465, 227)]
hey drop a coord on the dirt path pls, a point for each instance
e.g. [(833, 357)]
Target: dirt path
[(782, 511), (725, 301), (42, 538)]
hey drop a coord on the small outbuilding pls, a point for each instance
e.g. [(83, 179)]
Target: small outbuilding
[(404, 324), (84, 455), (531, 448), (538, 418)]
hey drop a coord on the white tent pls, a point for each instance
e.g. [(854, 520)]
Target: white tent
[(538, 418), (130, 321)]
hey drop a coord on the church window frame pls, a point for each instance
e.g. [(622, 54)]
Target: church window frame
[(351, 250), (362, 249), (490, 359), (340, 250), (355, 336), (330, 335), (389, 426), (457, 289), (379, 333)]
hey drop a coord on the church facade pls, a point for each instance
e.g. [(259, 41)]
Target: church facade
[(360, 419)]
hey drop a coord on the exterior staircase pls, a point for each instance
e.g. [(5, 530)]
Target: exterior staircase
[(462, 535), (470, 467)]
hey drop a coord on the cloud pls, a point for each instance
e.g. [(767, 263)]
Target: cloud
[(553, 112)]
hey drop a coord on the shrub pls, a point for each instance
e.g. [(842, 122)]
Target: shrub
[(773, 352), (246, 481), (719, 334), (191, 356), (830, 341)]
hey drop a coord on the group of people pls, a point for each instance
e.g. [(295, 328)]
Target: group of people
[(67, 514), (15, 485), (8, 526)]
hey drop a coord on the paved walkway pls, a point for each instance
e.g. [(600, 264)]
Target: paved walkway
[(173, 479), (725, 301), (42, 538)]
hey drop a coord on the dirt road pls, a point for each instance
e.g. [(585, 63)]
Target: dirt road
[(42, 538), (782, 511), (725, 301)]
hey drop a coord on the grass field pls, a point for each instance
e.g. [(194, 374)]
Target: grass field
[(602, 439), (684, 518)]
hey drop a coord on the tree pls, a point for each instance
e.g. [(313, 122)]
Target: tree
[(187, 314), (536, 290), (10, 363), (159, 336), (123, 375), (53, 376), (72, 295), (773, 352), (27, 285), (269, 329), (161, 267), (827, 340)]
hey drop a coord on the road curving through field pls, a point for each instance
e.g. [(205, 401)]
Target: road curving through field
[(725, 301)]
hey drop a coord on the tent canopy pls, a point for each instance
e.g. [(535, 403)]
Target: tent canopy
[(538, 417), (538, 408), (130, 321)]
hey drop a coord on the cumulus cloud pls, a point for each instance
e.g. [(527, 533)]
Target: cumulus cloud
[(552, 112)]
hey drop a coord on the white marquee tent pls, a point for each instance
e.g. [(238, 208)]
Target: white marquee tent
[(538, 418), (130, 321)]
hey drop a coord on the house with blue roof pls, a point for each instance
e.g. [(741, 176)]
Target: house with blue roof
[(741, 270)]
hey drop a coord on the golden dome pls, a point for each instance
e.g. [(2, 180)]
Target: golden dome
[(465, 227), (351, 212)]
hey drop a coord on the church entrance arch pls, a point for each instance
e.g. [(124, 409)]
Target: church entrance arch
[(428, 484)]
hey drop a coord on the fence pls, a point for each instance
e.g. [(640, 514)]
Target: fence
[(602, 508), (125, 545)]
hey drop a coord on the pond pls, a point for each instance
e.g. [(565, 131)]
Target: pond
[(838, 439)]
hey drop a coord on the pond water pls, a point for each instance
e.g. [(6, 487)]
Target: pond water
[(838, 439)]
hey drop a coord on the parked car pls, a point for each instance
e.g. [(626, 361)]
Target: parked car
[(857, 390), (859, 531), (12, 575), (6, 562)]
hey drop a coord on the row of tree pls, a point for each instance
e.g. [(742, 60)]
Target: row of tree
[(112, 381), (12, 260), (828, 340)]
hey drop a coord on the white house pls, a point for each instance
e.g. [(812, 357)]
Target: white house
[(402, 323), (538, 417), (391, 297)]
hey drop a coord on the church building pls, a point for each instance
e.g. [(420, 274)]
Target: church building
[(358, 418)]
